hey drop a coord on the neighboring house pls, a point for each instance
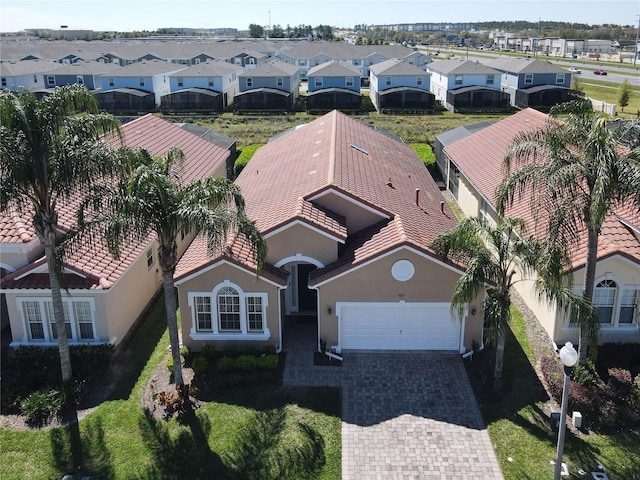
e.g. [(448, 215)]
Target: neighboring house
[(475, 169), (104, 297), (334, 85), (29, 74), (347, 213), (79, 73), (396, 85), (274, 85), (209, 86), (533, 83), (463, 85), (306, 55), (137, 87)]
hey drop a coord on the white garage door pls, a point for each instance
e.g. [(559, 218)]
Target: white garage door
[(398, 326)]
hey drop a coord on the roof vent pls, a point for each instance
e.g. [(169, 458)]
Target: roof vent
[(360, 149)]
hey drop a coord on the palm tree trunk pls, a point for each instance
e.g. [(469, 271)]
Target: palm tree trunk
[(497, 371), (58, 313), (589, 284), (172, 323)]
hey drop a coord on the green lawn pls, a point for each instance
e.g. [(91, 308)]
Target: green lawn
[(247, 433), (519, 429)]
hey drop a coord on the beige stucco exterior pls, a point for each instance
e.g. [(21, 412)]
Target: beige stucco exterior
[(301, 240), (432, 282), (625, 272), (114, 309), (245, 282)]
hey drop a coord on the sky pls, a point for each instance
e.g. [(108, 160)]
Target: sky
[(129, 15)]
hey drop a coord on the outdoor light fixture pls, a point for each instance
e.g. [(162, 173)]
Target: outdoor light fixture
[(473, 311), (569, 357), (329, 310)]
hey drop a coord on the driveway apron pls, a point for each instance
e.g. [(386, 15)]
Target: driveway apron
[(405, 415)]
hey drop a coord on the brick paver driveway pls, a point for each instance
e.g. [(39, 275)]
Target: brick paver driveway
[(412, 415), (405, 415)]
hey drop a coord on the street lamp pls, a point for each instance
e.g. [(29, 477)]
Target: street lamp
[(569, 357)]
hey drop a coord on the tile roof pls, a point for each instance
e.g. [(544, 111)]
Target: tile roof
[(93, 260), (339, 154), (16, 227), (202, 158), (480, 158)]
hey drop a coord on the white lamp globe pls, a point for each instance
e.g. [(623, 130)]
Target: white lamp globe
[(568, 355)]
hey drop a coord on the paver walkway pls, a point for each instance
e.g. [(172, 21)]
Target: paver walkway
[(405, 415)]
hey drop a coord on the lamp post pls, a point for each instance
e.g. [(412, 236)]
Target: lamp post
[(569, 357)]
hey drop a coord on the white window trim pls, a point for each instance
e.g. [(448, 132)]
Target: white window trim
[(215, 333), (560, 78), (615, 317), (528, 78), (280, 81), (48, 338)]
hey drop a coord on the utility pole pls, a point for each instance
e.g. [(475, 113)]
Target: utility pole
[(635, 53)]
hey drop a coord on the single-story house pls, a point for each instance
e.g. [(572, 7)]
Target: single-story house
[(396, 85), (104, 297), (334, 85), (474, 171), (348, 213)]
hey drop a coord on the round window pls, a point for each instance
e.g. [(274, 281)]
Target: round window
[(403, 270)]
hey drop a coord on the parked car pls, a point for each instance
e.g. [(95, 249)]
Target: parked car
[(599, 72), (575, 70)]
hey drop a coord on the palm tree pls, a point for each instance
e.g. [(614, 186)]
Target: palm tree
[(494, 255), (577, 170), (155, 200), (48, 154)]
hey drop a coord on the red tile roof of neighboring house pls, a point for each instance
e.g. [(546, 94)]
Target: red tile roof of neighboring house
[(93, 259), (480, 158), (336, 152), (15, 227), (202, 158)]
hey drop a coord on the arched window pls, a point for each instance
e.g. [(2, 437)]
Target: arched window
[(229, 309), (604, 297)]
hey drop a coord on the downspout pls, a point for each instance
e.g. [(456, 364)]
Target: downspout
[(318, 313), (279, 347)]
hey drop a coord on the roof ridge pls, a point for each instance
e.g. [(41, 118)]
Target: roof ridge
[(332, 149), (400, 227)]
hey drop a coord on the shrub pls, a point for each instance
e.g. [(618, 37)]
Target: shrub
[(268, 362), (169, 364), (244, 156), (226, 363), (208, 351), (552, 373), (199, 365), (245, 362), (635, 389), (585, 375), (586, 400), (40, 407), (619, 384)]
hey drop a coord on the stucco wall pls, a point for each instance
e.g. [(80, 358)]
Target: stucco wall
[(207, 281), (374, 283), (299, 239)]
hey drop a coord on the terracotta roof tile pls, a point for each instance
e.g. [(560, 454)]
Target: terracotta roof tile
[(93, 259), (480, 158), (16, 227), (336, 152)]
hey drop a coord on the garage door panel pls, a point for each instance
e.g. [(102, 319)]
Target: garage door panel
[(406, 326)]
